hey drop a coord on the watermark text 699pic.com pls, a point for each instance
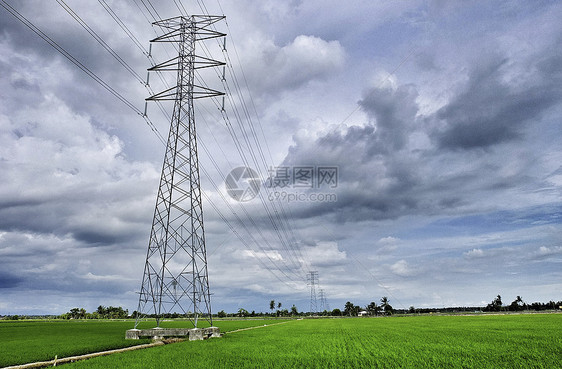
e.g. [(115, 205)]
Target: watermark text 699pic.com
[(301, 197)]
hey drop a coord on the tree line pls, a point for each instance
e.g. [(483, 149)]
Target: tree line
[(383, 308), (519, 305), (102, 312)]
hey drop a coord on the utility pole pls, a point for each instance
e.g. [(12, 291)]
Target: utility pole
[(313, 281), (175, 278)]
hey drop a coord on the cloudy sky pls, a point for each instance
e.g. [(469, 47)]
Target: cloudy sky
[(443, 119)]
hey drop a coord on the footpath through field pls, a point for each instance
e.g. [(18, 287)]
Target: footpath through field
[(259, 326), (71, 359)]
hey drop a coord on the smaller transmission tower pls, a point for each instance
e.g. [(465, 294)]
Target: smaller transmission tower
[(323, 302), (313, 281)]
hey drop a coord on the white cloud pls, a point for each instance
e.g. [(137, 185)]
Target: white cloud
[(325, 254), (107, 278), (389, 240), (549, 251), (264, 255), (474, 253), (305, 59), (402, 268)]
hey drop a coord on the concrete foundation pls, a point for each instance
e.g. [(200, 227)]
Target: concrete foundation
[(212, 332), (193, 334)]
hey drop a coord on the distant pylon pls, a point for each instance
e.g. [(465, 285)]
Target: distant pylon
[(175, 276), (313, 281), (323, 302)]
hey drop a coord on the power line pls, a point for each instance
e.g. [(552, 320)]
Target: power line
[(283, 217), (78, 64), (67, 55), (99, 39), (281, 225), (123, 26)]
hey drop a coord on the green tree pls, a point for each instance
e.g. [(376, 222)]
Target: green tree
[(74, 313), (294, 310), (517, 304), (495, 305), (350, 309), (498, 301), (243, 313), (101, 310), (272, 306), (372, 308), (385, 306), (221, 314)]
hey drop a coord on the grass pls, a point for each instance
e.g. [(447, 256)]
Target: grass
[(29, 341), (503, 341)]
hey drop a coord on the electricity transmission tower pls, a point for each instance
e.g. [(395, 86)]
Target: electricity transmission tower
[(313, 281), (323, 302), (175, 276)]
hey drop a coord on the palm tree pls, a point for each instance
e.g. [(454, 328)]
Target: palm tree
[(272, 306), (384, 301), (517, 304), (372, 308), (385, 305), (349, 308)]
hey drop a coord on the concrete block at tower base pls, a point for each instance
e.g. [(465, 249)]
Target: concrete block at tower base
[(212, 332), (132, 334), (193, 334)]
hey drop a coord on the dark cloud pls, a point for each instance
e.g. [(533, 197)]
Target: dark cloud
[(100, 238), (392, 177), (8, 280), (394, 112), (490, 111)]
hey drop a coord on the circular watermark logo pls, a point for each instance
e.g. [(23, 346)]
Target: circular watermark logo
[(242, 184)]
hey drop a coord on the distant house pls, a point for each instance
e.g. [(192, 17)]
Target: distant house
[(362, 313)]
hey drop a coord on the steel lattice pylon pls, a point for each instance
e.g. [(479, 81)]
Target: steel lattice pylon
[(323, 303), (175, 276), (313, 281)]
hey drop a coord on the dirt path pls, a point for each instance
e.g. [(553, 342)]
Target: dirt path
[(258, 326), (70, 359)]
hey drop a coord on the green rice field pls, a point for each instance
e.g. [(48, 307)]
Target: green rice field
[(480, 341), (41, 340)]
